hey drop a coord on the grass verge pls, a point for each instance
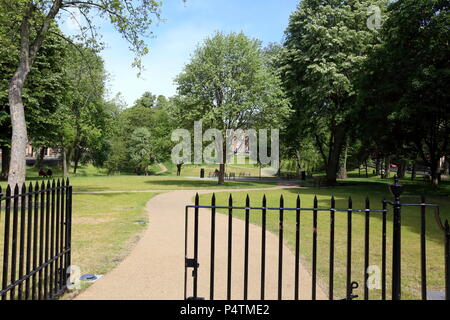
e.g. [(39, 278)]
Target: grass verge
[(105, 229)]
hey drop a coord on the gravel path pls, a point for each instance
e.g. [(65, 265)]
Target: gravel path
[(155, 267)]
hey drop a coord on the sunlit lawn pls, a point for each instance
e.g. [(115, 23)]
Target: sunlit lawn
[(237, 166), (376, 191), (127, 183), (194, 170), (91, 179), (105, 228), (104, 225)]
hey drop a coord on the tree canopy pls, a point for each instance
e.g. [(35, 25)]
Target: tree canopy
[(30, 23), (325, 47), (405, 82), (228, 85)]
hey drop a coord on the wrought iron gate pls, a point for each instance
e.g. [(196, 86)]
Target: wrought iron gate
[(192, 261), (36, 244)]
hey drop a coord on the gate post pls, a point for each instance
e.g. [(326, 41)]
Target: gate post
[(396, 190)]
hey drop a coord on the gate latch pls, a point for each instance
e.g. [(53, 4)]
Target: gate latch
[(191, 263), (352, 296)]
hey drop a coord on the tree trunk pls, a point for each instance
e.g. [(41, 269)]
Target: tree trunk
[(401, 170), (76, 160), (367, 170), (222, 166), (334, 157), (65, 163), (299, 163), (19, 140), (343, 163), (40, 158), (435, 171), (6, 155), (222, 174), (387, 167), (413, 171), (404, 167), (377, 166)]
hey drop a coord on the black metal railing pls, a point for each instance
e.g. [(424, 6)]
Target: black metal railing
[(396, 189), (37, 240)]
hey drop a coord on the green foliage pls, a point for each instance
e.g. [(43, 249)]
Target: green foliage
[(131, 19), (148, 100), (153, 118), (44, 88), (228, 86), (325, 47), (140, 150), (405, 83), (84, 117), (117, 159)]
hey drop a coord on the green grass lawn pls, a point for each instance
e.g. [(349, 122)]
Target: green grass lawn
[(377, 190), (194, 170), (105, 226), (127, 183), (105, 229), (92, 179)]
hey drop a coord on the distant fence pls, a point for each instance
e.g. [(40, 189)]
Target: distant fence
[(37, 240), (192, 262)]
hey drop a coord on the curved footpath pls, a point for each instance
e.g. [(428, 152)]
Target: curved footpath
[(154, 270)]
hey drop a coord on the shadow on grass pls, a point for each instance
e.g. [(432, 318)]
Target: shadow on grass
[(377, 191), (207, 184), (374, 183), (107, 195)]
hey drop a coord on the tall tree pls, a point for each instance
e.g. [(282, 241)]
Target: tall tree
[(140, 150), (407, 76), (43, 94), (228, 86), (326, 44), (83, 113), (156, 120), (33, 19), (148, 100)]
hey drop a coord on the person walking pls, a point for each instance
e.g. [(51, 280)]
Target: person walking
[(179, 168)]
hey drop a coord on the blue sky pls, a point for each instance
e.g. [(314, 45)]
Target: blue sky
[(175, 39)]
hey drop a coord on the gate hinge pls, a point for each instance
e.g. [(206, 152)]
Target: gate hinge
[(191, 263)]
